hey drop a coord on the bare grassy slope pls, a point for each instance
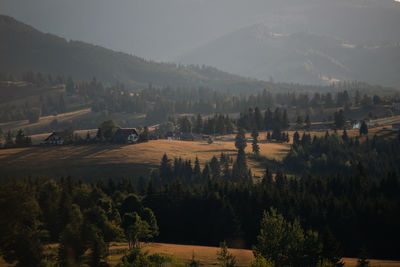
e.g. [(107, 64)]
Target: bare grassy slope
[(118, 160)]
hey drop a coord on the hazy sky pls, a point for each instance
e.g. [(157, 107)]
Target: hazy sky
[(163, 29)]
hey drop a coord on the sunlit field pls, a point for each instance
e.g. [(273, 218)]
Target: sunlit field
[(206, 256), (103, 159)]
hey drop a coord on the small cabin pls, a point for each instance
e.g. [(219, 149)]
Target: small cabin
[(125, 136)]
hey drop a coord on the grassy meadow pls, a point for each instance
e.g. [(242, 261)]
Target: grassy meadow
[(107, 160), (103, 161), (206, 256)]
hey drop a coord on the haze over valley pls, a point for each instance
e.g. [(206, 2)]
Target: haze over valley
[(176, 133)]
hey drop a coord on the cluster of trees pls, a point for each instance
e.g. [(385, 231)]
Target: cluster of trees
[(204, 101), (20, 140), (348, 212), (347, 94), (339, 119), (16, 113), (253, 119), (51, 104), (250, 120), (160, 103), (335, 153), (217, 124), (191, 175), (81, 217), (286, 244)]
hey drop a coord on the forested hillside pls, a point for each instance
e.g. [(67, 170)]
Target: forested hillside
[(24, 48)]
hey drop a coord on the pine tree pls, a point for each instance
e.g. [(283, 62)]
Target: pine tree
[(255, 146), (9, 140), (268, 119), (285, 120), (363, 128), (61, 107), (70, 87), (276, 134), (215, 167), (308, 122), (299, 121), (363, 261), (145, 135), (240, 140), (197, 170), (340, 120), (345, 137), (165, 169), (269, 136), (258, 118), (198, 125), (225, 258)]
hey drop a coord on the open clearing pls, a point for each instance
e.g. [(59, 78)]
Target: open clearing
[(103, 161), (207, 256)]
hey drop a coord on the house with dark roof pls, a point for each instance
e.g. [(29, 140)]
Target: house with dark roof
[(58, 138), (125, 136)]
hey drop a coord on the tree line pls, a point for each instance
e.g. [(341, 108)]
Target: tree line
[(160, 103), (336, 153)]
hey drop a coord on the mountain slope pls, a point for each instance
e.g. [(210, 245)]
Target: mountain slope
[(24, 48), (257, 51)]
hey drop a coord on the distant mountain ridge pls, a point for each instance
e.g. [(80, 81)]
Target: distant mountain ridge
[(256, 51), (24, 48)]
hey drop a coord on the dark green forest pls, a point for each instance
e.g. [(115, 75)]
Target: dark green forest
[(333, 214)]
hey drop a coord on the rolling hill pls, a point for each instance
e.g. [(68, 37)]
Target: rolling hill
[(24, 48), (257, 51)]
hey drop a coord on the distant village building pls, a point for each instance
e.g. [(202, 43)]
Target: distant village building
[(396, 127), (125, 135), (186, 137), (58, 138)]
